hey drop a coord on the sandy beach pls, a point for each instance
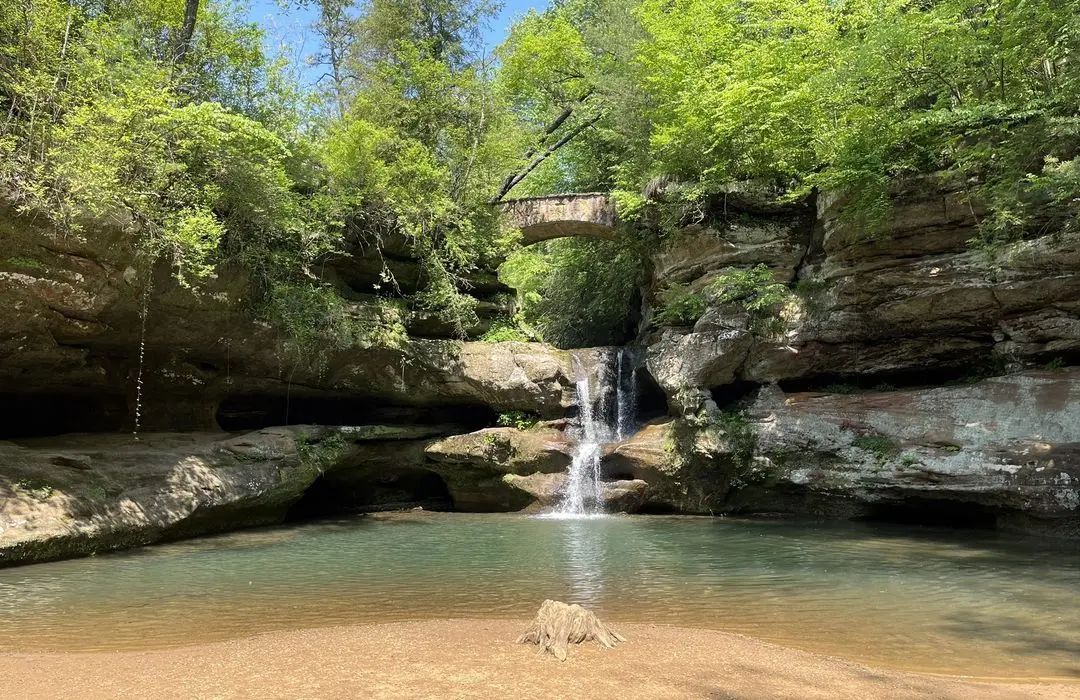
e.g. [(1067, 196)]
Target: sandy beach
[(479, 659)]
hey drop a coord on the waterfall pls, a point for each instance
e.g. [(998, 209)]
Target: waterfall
[(598, 425), (625, 396)]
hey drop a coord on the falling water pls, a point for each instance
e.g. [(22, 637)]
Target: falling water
[(625, 396), (143, 314), (599, 425)]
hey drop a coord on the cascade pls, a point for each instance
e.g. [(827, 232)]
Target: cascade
[(599, 424), (626, 396)]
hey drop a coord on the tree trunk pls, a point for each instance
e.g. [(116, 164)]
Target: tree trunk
[(183, 42), (558, 625), (514, 178)]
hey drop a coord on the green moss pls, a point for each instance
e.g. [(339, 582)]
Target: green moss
[(1055, 364), (880, 446), (498, 448), (97, 493), (991, 366), (25, 263), (812, 291), (811, 286), (707, 443), (739, 432), (321, 454)]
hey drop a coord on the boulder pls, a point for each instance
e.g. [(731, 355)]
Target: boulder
[(687, 363), (504, 450), (474, 464), (620, 495), (687, 467)]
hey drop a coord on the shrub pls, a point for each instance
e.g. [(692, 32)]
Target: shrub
[(680, 305), (521, 420)]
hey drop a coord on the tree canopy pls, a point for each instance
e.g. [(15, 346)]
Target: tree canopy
[(170, 116)]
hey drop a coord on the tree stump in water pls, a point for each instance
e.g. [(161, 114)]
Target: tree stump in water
[(557, 625)]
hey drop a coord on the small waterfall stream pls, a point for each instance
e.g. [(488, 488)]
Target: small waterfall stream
[(600, 424), (626, 395)]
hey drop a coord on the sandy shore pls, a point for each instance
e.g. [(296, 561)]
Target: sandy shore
[(478, 659)]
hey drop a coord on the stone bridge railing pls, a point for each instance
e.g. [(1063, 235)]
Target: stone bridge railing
[(587, 215)]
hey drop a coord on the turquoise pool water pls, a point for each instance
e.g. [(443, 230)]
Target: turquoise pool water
[(922, 599)]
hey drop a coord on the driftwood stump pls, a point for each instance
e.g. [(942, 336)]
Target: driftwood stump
[(557, 625)]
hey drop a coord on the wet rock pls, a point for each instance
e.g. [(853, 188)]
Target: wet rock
[(474, 464), (687, 467), (621, 495)]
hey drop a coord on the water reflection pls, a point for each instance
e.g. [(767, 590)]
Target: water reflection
[(584, 543)]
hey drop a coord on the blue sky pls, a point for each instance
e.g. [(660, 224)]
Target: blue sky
[(289, 29)]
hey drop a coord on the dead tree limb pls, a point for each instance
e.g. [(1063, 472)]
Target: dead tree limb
[(514, 180)]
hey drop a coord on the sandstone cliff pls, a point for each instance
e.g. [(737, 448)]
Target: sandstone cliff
[(906, 375)]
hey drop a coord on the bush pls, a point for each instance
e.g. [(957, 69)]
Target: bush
[(753, 289), (504, 331), (680, 305), (521, 420)]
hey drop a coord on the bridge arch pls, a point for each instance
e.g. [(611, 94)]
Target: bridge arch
[(583, 215)]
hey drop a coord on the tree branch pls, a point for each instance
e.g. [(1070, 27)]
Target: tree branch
[(513, 181)]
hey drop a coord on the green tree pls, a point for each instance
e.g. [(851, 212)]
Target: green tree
[(420, 148)]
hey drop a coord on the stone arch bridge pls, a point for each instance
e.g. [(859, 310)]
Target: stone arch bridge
[(583, 215)]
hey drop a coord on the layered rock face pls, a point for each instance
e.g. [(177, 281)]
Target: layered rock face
[(896, 380), (72, 312), (915, 306), (915, 298), (89, 493), (71, 335), (1003, 451)]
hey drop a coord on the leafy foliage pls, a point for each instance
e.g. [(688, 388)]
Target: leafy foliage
[(680, 306), (575, 292), (753, 290), (521, 420), (212, 156), (845, 96), (504, 332)]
